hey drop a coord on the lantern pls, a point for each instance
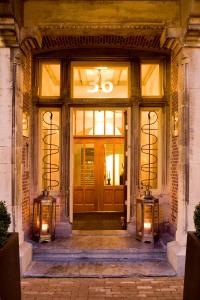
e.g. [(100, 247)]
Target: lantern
[(147, 218), (44, 217)]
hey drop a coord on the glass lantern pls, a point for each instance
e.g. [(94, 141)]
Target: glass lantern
[(44, 217), (147, 218)]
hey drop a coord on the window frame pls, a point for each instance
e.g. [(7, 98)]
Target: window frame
[(64, 102)]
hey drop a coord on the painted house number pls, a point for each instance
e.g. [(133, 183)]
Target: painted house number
[(106, 87)]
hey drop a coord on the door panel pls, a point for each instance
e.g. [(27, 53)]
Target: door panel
[(84, 176), (98, 174)]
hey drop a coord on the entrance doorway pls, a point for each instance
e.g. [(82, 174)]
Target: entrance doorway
[(99, 165), (98, 174)]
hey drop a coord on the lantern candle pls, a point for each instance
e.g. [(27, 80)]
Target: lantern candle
[(147, 225), (45, 228)]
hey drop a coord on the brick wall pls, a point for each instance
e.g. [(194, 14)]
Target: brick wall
[(26, 207), (174, 153)]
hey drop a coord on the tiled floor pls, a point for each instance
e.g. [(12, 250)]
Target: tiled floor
[(94, 289)]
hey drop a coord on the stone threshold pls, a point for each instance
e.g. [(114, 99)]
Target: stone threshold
[(100, 270)]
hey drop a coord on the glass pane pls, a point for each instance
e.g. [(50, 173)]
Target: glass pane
[(148, 218), (100, 80), (89, 130), (108, 170), (79, 122), (151, 85), (119, 164), (118, 123), (109, 122), (50, 149), (50, 80), (89, 165), (99, 122), (78, 164), (149, 148)]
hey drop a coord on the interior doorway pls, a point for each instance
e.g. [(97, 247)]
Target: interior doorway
[(99, 169)]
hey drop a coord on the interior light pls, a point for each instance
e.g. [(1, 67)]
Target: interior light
[(102, 68)]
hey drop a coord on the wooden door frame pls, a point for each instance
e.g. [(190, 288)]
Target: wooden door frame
[(71, 173)]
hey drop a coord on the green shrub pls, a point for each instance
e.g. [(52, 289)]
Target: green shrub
[(197, 219), (4, 223)]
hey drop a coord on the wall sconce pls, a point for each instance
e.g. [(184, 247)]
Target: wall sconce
[(44, 217), (175, 124), (147, 218)]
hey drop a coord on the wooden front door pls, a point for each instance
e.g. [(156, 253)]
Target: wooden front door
[(99, 174)]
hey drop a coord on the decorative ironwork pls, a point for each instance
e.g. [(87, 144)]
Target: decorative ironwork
[(50, 149), (149, 149)]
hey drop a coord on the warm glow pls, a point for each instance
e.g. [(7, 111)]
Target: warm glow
[(50, 79), (151, 83), (91, 80), (109, 168), (147, 225), (45, 227), (101, 122)]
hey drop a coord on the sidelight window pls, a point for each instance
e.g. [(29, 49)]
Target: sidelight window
[(49, 148), (150, 147)]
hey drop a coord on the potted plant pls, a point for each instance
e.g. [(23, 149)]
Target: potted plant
[(9, 259), (192, 263)]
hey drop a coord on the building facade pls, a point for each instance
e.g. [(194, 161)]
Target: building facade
[(99, 101)]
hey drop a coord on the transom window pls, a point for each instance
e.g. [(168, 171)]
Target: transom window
[(49, 79), (98, 122), (151, 81), (100, 80)]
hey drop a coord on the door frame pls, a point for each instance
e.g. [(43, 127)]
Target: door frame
[(71, 169)]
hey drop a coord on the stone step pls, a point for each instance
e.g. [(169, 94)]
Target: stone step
[(100, 270), (98, 248), (64, 255)]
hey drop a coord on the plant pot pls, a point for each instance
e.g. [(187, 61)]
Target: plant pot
[(10, 269), (192, 268)]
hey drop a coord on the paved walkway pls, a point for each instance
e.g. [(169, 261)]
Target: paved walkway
[(165, 288)]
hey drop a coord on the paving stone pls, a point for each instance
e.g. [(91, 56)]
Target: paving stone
[(99, 270), (166, 288)]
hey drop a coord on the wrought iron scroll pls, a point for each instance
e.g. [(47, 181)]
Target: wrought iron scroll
[(50, 149), (149, 149)]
